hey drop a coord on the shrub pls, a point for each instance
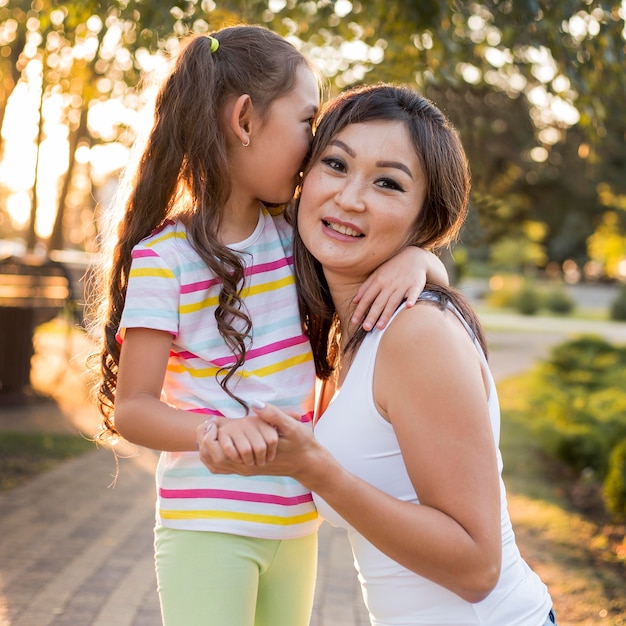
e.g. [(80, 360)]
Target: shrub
[(615, 482), (528, 300), (558, 301), (618, 306), (578, 404), (503, 290)]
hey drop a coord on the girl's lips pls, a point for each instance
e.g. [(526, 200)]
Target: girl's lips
[(342, 229)]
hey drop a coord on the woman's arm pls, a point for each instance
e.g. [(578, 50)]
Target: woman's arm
[(435, 396)]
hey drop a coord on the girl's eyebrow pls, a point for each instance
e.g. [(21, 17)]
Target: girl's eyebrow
[(396, 164)]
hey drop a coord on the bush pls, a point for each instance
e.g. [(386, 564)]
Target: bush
[(578, 404), (503, 290), (523, 295), (528, 300), (615, 482), (558, 301), (618, 306)]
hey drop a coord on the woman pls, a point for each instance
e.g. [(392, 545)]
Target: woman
[(405, 454)]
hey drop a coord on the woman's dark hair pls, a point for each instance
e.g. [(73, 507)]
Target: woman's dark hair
[(184, 172), (447, 181)]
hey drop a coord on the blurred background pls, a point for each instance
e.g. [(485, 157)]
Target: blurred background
[(536, 89)]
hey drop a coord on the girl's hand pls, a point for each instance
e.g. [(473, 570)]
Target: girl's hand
[(228, 445), (400, 278)]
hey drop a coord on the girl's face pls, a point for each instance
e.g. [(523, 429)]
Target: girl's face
[(278, 148), (361, 199)]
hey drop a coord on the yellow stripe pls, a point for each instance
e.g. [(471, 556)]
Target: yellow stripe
[(243, 517), (152, 271), (248, 291), (165, 236), (204, 372), (198, 306), (283, 365)]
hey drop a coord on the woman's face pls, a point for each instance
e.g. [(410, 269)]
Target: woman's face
[(361, 198)]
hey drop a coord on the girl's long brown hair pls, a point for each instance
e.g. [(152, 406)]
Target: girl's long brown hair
[(438, 223), (184, 173)]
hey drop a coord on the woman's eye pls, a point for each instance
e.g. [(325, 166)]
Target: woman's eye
[(389, 183), (334, 164)]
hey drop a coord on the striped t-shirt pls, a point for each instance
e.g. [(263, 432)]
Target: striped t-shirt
[(171, 289)]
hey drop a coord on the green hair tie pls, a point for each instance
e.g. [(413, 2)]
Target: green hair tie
[(215, 44)]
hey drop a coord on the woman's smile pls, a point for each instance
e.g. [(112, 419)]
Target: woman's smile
[(342, 229)]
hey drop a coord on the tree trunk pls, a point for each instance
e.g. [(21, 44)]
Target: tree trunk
[(31, 235), (57, 240)]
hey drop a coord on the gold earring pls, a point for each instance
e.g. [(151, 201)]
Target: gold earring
[(245, 145)]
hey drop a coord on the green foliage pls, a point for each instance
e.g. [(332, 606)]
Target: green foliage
[(503, 290), (557, 300), (579, 404), (615, 482), (486, 64), (528, 300), (618, 306), (607, 245)]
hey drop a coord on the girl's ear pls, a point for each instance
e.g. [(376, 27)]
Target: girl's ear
[(241, 118)]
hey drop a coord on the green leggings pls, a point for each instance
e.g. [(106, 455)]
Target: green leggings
[(216, 579)]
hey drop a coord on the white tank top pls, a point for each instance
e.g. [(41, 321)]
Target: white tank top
[(365, 444)]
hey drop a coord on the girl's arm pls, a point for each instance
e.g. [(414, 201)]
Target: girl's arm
[(435, 398), (141, 416), (400, 278)]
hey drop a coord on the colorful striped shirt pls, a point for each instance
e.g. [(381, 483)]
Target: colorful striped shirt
[(171, 289)]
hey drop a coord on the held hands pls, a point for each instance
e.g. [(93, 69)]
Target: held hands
[(400, 278), (271, 442)]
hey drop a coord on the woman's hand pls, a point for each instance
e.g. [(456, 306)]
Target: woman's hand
[(229, 446), (296, 454), (400, 278)]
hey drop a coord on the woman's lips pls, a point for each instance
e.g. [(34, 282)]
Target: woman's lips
[(342, 229)]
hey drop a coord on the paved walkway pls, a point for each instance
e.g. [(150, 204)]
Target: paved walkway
[(77, 551)]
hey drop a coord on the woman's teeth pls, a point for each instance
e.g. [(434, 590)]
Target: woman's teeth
[(344, 230)]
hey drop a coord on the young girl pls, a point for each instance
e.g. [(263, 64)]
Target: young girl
[(202, 316)]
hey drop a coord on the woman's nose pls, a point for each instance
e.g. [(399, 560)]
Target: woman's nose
[(350, 196)]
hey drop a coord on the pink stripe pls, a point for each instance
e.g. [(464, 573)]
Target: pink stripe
[(137, 254), (307, 417), (268, 267), (272, 347), (249, 271), (244, 496), (200, 285), (206, 412)]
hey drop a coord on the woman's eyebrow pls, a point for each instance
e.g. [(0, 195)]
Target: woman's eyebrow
[(340, 144), (397, 165)]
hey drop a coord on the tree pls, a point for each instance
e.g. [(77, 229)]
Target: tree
[(520, 79)]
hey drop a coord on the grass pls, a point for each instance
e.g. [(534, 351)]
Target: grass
[(26, 455), (578, 553)]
